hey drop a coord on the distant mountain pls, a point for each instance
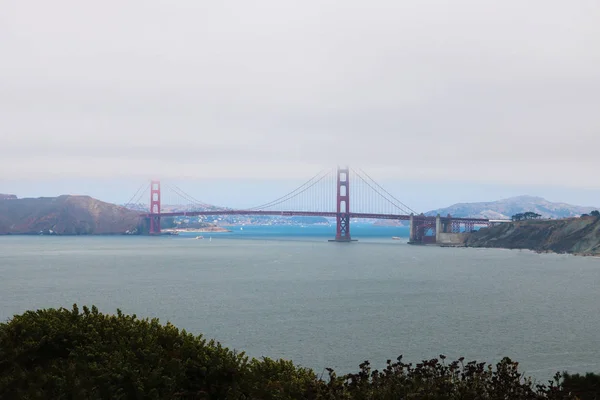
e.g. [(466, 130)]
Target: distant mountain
[(65, 215), (506, 208)]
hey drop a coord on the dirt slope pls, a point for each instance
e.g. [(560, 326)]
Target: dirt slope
[(571, 235), (64, 215)]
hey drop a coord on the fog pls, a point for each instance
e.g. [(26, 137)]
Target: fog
[(483, 92)]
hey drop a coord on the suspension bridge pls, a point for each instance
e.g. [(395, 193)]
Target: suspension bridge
[(327, 194)]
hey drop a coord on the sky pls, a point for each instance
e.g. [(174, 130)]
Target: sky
[(239, 101)]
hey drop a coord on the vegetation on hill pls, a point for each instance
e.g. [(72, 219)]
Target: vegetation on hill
[(525, 216), (65, 215), (60, 354), (594, 213)]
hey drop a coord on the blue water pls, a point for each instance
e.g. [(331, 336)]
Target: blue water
[(287, 292), (292, 232)]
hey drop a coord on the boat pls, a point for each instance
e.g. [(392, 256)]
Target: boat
[(396, 238), (199, 237)]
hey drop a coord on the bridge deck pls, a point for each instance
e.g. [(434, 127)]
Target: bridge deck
[(311, 214)]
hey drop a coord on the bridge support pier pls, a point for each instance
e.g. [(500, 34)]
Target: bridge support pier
[(420, 226)]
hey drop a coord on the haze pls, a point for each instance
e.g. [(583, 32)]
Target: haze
[(438, 99)]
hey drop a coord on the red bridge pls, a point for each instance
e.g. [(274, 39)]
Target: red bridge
[(327, 194)]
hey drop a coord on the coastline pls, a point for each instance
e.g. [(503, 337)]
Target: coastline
[(531, 250), (198, 230), (573, 236)]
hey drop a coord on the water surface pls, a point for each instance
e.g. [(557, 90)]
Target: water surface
[(294, 295)]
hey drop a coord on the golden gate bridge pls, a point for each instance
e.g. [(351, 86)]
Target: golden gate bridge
[(327, 194)]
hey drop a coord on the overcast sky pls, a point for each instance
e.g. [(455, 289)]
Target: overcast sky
[(491, 94)]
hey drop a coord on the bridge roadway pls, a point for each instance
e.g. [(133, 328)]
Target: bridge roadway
[(312, 214)]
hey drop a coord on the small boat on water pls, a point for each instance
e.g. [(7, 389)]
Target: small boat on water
[(199, 237), (396, 238)]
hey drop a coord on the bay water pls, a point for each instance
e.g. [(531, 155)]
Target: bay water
[(287, 292)]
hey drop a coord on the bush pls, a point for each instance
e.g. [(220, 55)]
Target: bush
[(60, 354), (585, 387)]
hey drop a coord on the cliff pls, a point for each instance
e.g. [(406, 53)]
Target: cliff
[(571, 235), (65, 215)]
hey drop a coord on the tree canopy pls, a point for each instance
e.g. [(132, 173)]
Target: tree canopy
[(525, 216), (68, 354)]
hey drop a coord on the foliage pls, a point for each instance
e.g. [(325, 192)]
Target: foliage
[(525, 216), (60, 354), (585, 387), (437, 380), (595, 213)]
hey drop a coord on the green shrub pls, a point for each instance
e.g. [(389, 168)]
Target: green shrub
[(585, 387), (67, 354)]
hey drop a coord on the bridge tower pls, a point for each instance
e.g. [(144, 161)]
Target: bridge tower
[(343, 205), (154, 208)]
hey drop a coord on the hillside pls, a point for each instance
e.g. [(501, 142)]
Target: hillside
[(506, 208), (64, 215), (571, 235)]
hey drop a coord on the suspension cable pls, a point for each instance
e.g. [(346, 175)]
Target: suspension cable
[(293, 193), (299, 193), (388, 193), (382, 196), (137, 196), (193, 201)]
